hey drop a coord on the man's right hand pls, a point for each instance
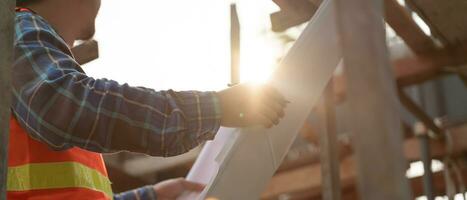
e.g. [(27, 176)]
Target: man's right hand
[(247, 105)]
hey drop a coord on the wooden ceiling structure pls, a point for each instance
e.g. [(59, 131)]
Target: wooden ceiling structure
[(335, 175)]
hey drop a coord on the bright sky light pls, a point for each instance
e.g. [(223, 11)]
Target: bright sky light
[(181, 44)]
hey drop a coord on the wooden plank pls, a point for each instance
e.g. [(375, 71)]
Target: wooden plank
[(403, 24), (329, 146), (419, 113), (423, 67), (234, 46), (446, 19), (86, 52), (296, 12), (417, 184), (6, 59), (376, 124), (306, 180), (292, 13), (413, 70), (296, 182)]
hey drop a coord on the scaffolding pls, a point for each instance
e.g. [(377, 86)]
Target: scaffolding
[(374, 89)]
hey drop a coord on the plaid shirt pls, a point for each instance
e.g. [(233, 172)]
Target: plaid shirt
[(58, 104)]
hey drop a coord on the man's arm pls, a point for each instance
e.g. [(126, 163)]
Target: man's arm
[(59, 105)]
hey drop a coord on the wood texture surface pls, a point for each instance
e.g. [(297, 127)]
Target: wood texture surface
[(86, 52), (376, 124), (447, 19), (6, 59)]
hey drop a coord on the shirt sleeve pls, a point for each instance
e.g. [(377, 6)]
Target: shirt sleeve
[(144, 193), (60, 105)]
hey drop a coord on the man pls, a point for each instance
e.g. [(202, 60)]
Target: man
[(63, 119)]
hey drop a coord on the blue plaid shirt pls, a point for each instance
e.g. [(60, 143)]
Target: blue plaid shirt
[(58, 104)]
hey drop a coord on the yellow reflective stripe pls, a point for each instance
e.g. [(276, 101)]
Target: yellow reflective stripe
[(57, 175)]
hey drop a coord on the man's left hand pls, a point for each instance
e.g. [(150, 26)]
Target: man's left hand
[(173, 188)]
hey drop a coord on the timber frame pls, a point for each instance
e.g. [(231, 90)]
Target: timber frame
[(367, 68)]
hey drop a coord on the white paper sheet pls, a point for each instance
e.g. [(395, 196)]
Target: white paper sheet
[(208, 162), (238, 163)]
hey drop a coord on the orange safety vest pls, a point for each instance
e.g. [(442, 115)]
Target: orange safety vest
[(37, 172)]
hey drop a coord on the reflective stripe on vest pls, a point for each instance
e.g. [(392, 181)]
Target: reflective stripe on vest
[(37, 172), (56, 175)]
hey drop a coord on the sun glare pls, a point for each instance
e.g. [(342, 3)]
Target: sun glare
[(167, 46), (259, 61)]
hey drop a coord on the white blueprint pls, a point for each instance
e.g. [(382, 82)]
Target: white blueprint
[(238, 163)]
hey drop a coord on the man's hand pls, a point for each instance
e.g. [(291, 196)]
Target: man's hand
[(173, 188), (248, 105)]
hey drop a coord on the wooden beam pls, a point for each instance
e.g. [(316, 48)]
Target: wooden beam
[(446, 19), (416, 184), (417, 111), (412, 146), (6, 59), (423, 67), (329, 146), (292, 13), (296, 182), (86, 52), (234, 46), (403, 24), (413, 70), (376, 124), (395, 15), (438, 183), (307, 180)]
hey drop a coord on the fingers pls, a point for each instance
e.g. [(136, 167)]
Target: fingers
[(188, 185), (275, 106), (270, 106), (273, 94), (249, 105), (265, 121), (274, 100), (270, 114)]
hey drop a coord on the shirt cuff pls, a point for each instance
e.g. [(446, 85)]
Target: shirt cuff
[(143, 193)]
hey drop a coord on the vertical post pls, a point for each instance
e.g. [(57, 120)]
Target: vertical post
[(234, 46), (375, 121), (329, 159), (6, 57), (425, 153)]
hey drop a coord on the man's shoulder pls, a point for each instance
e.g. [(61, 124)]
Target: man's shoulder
[(30, 26), (32, 30), (26, 21)]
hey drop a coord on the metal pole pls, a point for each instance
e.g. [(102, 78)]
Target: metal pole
[(421, 132), (426, 159), (6, 58), (375, 122)]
